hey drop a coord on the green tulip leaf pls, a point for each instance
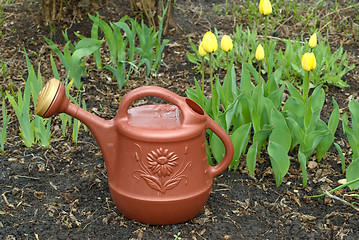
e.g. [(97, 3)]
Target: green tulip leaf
[(317, 98), (230, 89), (227, 117), (276, 97), (252, 71), (279, 160), (217, 148), (311, 141), (295, 106), (303, 163), (281, 133), (196, 94), (294, 91), (267, 110), (246, 83), (251, 158), (261, 135), (240, 138), (341, 155), (353, 173), (352, 133), (296, 133), (354, 112), (334, 117), (245, 109), (325, 144)]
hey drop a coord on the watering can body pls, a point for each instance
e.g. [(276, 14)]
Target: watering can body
[(155, 155)]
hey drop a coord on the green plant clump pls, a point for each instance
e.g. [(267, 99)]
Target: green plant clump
[(253, 110), (5, 122), (125, 55), (331, 67)]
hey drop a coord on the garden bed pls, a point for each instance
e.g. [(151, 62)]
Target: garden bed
[(61, 192)]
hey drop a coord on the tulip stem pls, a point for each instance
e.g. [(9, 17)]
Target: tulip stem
[(266, 47), (210, 71), (259, 75), (305, 95), (227, 60), (265, 31), (306, 87), (202, 71)]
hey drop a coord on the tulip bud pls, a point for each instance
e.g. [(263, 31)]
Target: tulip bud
[(265, 7), (309, 62), (260, 53), (226, 43), (210, 43), (201, 51), (313, 41)]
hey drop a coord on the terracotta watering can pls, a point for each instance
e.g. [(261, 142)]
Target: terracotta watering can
[(155, 155)]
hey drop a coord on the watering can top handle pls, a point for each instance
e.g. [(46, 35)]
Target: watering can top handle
[(222, 134), (153, 91)]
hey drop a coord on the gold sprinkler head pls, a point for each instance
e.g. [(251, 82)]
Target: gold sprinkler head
[(46, 96)]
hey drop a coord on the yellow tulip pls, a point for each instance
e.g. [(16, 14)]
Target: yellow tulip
[(201, 51), (260, 53), (226, 43), (265, 7), (210, 43), (313, 41), (309, 62)]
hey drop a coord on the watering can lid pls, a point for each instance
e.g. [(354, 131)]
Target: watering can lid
[(155, 117)]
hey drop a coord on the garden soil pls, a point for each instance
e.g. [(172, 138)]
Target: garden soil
[(61, 192)]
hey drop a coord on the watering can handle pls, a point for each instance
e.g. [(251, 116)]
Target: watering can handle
[(152, 91), (227, 159)]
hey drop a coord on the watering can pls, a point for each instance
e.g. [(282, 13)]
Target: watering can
[(155, 155)]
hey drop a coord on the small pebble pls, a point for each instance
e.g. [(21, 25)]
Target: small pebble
[(342, 181)]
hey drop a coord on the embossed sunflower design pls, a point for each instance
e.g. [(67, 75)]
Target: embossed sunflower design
[(157, 165), (162, 162)]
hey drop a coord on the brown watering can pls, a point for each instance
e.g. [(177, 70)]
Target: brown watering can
[(155, 155)]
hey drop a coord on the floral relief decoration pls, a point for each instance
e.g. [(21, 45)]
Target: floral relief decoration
[(158, 169)]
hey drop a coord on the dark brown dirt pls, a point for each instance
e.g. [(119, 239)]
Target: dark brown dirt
[(61, 192)]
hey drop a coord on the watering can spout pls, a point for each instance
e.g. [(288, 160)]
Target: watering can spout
[(52, 100)]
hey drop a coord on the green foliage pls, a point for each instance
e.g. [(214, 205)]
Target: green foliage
[(32, 129), (243, 44), (72, 59), (76, 123), (117, 45), (41, 127), (4, 72), (120, 38), (67, 121), (3, 4), (349, 183), (177, 236), (331, 67), (125, 55), (257, 107), (5, 122), (21, 105), (276, 125), (309, 131), (352, 134)]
